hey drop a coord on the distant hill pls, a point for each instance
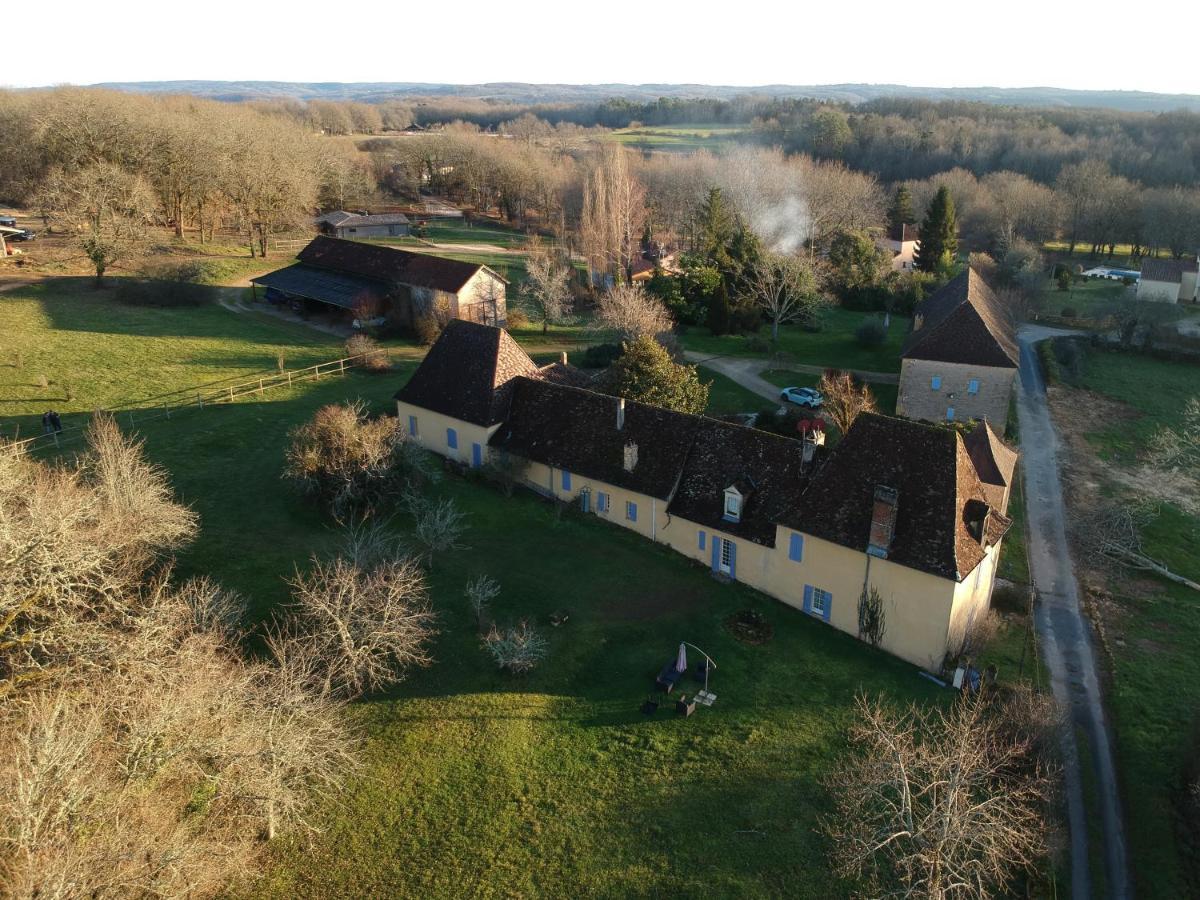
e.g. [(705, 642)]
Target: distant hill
[(516, 92)]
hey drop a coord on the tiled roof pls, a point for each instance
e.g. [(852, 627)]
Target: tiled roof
[(468, 373), (767, 469), (575, 429), (995, 462), (963, 322), (335, 288), (935, 484), (1170, 270), (565, 373), (388, 264), (349, 220)]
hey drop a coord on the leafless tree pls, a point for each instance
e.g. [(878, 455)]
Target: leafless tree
[(348, 461), (439, 527), (628, 312), (356, 628), (614, 210), (481, 591), (1112, 530), (937, 803), (1178, 448), (845, 398), (785, 288), (546, 289)]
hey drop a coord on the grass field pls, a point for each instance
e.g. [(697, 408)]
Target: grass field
[(478, 784), (1154, 629), (835, 345), (678, 138), (726, 396), (1090, 299)]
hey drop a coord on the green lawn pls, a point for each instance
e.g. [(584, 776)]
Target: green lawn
[(726, 396), (834, 346), (478, 784), (455, 231), (680, 138), (1089, 299), (1154, 697)]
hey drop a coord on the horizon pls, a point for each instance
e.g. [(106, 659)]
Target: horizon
[(535, 45)]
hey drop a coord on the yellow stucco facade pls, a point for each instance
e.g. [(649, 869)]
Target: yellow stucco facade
[(924, 614)]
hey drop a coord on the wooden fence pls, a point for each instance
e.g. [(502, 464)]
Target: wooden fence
[(174, 403)]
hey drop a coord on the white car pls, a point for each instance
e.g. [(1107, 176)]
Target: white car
[(802, 396)]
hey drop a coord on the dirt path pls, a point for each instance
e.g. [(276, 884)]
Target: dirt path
[(746, 372), (1066, 637)]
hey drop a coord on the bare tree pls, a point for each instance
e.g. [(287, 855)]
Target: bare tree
[(517, 648), (845, 399), (1179, 448), (1113, 530), (614, 210), (481, 591), (872, 616), (785, 288), (439, 526), (937, 803), (628, 312), (356, 628), (546, 289)]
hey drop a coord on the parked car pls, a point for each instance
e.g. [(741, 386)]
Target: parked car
[(25, 235), (8, 222), (802, 396)]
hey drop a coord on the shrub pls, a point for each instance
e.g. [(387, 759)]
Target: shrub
[(1063, 278), (1011, 598), (871, 333), (745, 319), (601, 356), (374, 357), (517, 648), (1069, 312), (347, 461), (758, 344), (427, 329), (516, 318)]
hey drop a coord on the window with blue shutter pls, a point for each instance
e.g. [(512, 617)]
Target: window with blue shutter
[(935, 383), (973, 386), (822, 603), (949, 413), (732, 559), (631, 510), (796, 548), (412, 427), (451, 438), (566, 480), (476, 455), (701, 539), (808, 592), (602, 502)]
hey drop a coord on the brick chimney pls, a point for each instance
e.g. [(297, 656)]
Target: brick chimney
[(883, 521)]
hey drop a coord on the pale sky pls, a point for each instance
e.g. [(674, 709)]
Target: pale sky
[(952, 43)]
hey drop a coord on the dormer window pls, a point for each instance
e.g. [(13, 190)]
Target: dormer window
[(733, 504)]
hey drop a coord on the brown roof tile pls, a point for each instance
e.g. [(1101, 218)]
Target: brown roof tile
[(963, 322), (1169, 270), (388, 264), (468, 373)]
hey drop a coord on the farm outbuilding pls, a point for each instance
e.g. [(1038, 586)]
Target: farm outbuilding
[(343, 224), (370, 281), (1168, 281)]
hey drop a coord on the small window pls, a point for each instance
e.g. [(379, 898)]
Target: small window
[(727, 556), (585, 500), (935, 383), (412, 427), (733, 505), (822, 601), (949, 413), (631, 510), (451, 438), (973, 386), (701, 540), (566, 480), (796, 548)]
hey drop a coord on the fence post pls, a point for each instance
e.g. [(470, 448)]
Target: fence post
[(200, 400), (260, 387), (231, 393), (55, 433), (289, 375), (342, 367)]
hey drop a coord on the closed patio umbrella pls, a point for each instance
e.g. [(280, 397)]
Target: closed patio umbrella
[(681, 660)]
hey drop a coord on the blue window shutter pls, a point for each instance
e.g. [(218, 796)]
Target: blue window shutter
[(631, 510), (476, 455), (716, 554), (733, 560), (808, 598), (828, 606), (973, 386), (796, 548), (950, 414), (936, 382), (451, 438), (566, 480), (701, 540), (412, 426), (602, 502)]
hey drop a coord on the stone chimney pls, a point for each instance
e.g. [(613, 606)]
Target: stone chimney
[(883, 521), (621, 415)]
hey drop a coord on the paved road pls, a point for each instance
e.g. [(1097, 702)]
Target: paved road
[(745, 371), (1066, 637)]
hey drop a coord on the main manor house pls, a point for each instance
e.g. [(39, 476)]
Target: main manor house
[(913, 511)]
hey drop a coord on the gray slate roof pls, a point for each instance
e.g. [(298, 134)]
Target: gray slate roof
[(343, 219), (1169, 270), (334, 288)]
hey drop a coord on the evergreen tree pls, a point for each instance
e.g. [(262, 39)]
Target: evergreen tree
[(900, 213), (717, 319), (938, 246), (646, 373), (717, 227)]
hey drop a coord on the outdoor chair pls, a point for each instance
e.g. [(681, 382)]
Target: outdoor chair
[(685, 707), (668, 678)]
